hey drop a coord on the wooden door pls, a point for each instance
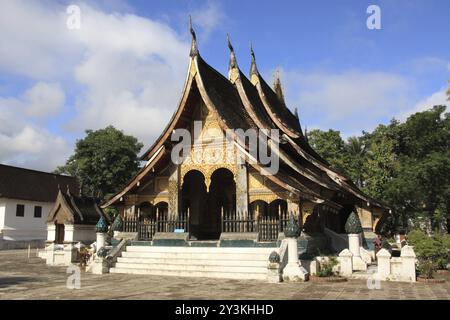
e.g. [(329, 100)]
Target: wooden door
[(59, 236)]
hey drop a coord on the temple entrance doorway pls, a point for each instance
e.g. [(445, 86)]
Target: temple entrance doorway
[(221, 196), (194, 199)]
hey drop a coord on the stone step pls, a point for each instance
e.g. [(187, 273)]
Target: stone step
[(191, 267), (193, 255), (199, 249), (200, 274), (362, 275), (244, 263)]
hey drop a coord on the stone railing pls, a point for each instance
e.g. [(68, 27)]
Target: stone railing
[(102, 263), (401, 268), (338, 242)]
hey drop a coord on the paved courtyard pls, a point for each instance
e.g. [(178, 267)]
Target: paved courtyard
[(23, 278)]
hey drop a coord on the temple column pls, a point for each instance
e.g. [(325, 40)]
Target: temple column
[(307, 208), (174, 192), (293, 207), (241, 189)]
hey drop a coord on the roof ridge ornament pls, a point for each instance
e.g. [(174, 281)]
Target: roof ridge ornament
[(296, 113), (277, 86), (233, 62), (194, 48), (233, 70), (253, 68)]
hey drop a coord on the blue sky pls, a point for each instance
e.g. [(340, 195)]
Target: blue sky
[(126, 64)]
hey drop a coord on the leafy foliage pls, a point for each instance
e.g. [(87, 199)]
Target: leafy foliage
[(404, 164), (432, 251), (103, 161), (326, 267)]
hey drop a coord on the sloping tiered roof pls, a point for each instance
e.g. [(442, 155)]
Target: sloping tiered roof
[(245, 103), (81, 209), (32, 185)]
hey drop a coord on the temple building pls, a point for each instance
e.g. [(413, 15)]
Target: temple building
[(225, 183)]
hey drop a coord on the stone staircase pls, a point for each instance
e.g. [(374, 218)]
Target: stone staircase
[(371, 271), (210, 262)]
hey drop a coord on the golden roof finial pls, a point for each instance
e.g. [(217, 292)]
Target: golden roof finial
[(253, 68), (277, 85), (233, 62), (194, 48)]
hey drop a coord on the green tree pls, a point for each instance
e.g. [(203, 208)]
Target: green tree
[(330, 146), (380, 160), (421, 185), (355, 158), (103, 161)]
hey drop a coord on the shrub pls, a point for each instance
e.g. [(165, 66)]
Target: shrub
[(431, 251), (326, 267), (426, 268)]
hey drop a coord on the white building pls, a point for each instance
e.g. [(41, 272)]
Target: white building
[(26, 198)]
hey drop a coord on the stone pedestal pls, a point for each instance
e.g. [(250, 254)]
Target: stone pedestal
[(70, 253), (384, 264), (293, 271), (353, 244), (99, 266), (408, 270), (101, 239), (346, 263), (273, 273), (354, 241)]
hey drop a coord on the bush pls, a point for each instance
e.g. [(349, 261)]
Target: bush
[(326, 267), (426, 268), (431, 251)]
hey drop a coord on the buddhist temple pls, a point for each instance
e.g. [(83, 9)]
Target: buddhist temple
[(224, 185)]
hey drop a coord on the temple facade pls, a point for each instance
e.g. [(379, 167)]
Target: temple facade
[(246, 168)]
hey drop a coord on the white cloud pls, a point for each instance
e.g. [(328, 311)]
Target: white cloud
[(33, 147), (437, 98), (127, 71), (44, 100), (208, 17), (24, 143), (133, 72), (356, 100), (34, 40)]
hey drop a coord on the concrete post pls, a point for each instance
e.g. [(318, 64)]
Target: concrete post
[(100, 240), (408, 272), (384, 264), (346, 263), (355, 248), (293, 270), (354, 244), (273, 273), (70, 253)]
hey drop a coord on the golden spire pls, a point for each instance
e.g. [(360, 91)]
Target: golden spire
[(233, 62), (194, 48), (253, 68), (233, 71), (277, 86)]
